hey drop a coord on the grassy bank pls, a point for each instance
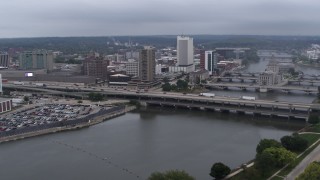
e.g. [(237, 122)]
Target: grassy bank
[(310, 134)]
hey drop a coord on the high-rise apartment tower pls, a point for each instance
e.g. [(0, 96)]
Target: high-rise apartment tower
[(147, 64)]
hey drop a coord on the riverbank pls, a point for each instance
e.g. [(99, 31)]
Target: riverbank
[(309, 133), (96, 120)]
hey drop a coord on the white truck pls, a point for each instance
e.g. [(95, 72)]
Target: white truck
[(207, 94), (18, 83), (250, 98)]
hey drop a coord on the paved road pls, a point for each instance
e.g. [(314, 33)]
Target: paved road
[(176, 95), (313, 156)]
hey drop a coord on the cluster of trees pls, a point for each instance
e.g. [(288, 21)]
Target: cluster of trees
[(95, 96), (219, 170), (181, 85), (171, 175), (273, 157), (272, 154), (311, 172), (294, 143), (293, 73)]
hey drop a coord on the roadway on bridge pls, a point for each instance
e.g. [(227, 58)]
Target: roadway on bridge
[(195, 97)]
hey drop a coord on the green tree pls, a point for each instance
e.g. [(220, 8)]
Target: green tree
[(219, 170), (95, 96), (174, 87), (203, 81), (197, 80), (291, 71), (274, 157), (26, 99), (267, 143), (166, 87), (313, 119), (311, 172), (182, 85), (165, 80), (294, 143), (251, 173), (171, 175), (59, 59), (264, 162)]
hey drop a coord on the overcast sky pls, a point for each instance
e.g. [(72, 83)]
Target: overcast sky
[(43, 18)]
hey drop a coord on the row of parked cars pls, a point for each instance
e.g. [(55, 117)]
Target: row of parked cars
[(43, 115)]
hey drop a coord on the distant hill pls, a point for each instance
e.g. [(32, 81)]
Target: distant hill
[(73, 45)]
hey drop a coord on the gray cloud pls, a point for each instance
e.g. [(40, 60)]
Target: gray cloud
[(33, 18)]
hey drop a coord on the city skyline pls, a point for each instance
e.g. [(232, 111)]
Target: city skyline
[(123, 17)]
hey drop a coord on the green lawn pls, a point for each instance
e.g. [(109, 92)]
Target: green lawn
[(314, 128), (244, 175), (311, 138)]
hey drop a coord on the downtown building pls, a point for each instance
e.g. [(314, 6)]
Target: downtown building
[(96, 67), (147, 70), (147, 64), (4, 59), (38, 59), (132, 68), (210, 61), (185, 55)]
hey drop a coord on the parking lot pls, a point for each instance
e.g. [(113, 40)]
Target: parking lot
[(45, 114)]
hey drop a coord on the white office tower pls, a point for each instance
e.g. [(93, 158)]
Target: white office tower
[(185, 53)]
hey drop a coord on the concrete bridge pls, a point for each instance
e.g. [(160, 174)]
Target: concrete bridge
[(231, 78), (287, 89), (191, 101), (241, 109), (223, 104), (255, 79)]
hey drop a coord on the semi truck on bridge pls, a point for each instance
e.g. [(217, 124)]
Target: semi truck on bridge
[(18, 83), (251, 98), (207, 94)]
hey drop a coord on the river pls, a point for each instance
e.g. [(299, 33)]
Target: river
[(140, 143)]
